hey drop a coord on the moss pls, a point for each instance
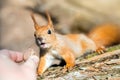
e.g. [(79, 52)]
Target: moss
[(113, 48), (109, 49)]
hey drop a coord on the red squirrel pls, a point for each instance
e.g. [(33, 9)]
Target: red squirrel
[(68, 47)]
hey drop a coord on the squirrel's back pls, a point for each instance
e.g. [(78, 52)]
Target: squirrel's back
[(105, 35)]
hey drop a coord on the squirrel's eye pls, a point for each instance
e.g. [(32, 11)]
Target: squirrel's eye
[(49, 32)]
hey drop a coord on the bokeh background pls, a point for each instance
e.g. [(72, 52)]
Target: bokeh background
[(69, 16)]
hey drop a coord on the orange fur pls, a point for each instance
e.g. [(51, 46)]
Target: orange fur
[(73, 37), (68, 56), (69, 47), (105, 35), (84, 46), (41, 65)]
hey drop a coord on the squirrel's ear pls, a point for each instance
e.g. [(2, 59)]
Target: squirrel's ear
[(36, 26), (49, 19)]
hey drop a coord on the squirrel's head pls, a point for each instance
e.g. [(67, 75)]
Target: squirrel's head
[(44, 35)]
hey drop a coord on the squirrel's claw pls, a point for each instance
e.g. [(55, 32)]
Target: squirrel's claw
[(100, 50), (67, 68)]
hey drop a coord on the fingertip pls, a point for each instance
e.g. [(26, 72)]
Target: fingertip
[(28, 53)]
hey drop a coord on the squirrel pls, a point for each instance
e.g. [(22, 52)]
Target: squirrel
[(71, 46)]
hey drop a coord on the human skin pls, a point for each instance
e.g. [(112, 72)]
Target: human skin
[(10, 69)]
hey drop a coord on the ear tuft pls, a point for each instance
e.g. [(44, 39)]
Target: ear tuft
[(34, 21), (49, 19)]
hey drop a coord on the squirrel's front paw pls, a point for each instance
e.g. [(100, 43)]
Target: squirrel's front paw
[(39, 72), (68, 67)]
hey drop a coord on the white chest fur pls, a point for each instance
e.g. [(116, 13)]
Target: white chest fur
[(56, 54), (51, 57)]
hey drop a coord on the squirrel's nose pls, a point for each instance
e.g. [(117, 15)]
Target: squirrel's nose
[(40, 38)]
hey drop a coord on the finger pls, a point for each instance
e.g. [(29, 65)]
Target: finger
[(14, 55), (28, 53), (31, 63)]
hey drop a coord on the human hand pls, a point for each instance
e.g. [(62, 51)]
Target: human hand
[(10, 70)]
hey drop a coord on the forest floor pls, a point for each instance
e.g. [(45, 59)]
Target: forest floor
[(92, 66)]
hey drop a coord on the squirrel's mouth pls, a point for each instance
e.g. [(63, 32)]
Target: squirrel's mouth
[(42, 43)]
